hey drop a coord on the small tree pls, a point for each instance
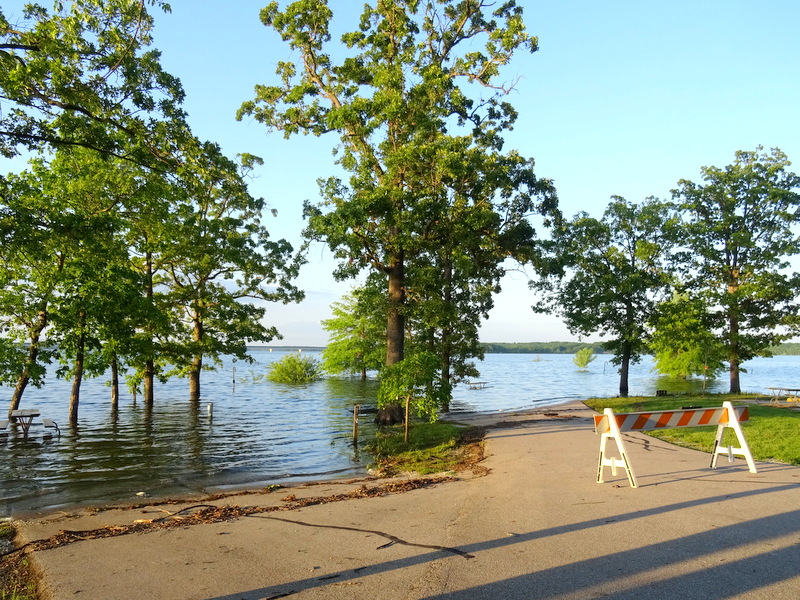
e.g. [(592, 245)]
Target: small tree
[(583, 358), (357, 333), (414, 381), (682, 342)]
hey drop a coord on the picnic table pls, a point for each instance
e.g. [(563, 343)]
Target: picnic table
[(24, 417), (477, 385), (777, 392)]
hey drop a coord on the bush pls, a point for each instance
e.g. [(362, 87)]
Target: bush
[(294, 368)]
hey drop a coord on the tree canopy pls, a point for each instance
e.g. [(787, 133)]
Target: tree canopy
[(83, 75)]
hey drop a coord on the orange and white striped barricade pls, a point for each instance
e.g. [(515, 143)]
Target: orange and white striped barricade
[(611, 425)]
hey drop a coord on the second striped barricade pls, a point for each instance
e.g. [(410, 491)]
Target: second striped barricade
[(610, 425)]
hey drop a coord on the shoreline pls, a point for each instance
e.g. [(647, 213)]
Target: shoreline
[(481, 419), (535, 525)]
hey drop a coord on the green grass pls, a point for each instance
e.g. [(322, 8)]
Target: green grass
[(17, 581), (773, 432), (431, 448)]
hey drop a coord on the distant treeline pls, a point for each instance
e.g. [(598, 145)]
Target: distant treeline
[(786, 349), (541, 347)]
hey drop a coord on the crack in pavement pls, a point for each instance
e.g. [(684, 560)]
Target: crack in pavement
[(393, 539)]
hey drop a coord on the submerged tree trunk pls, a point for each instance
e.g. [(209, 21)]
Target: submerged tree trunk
[(114, 381), (149, 364), (194, 378), (197, 360), (148, 378), (33, 354), (77, 378)]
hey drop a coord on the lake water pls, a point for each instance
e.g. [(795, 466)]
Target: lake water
[(261, 433)]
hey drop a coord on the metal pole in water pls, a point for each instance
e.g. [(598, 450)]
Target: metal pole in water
[(210, 409), (356, 408)]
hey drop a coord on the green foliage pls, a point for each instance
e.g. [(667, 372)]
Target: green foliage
[(129, 242), (83, 75), (414, 380), (357, 330), (294, 368), (739, 232), (786, 349), (583, 358), (682, 343), (772, 433), (541, 347)]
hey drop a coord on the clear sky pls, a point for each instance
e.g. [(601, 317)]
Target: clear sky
[(623, 98)]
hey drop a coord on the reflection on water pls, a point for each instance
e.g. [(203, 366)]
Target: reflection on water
[(260, 432)]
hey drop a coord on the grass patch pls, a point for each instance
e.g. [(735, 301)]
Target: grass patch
[(17, 579), (773, 432), (431, 448)]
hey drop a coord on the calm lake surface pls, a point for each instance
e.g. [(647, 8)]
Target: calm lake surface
[(262, 433)]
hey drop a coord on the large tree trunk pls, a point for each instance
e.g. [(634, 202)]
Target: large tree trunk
[(114, 381), (624, 368), (197, 360), (149, 364), (33, 354), (733, 339), (395, 325), (733, 354), (446, 354), (77, 378)]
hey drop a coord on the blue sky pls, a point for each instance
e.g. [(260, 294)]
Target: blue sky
[(623, 98)]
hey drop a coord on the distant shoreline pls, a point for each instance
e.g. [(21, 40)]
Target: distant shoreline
[(785, 349)]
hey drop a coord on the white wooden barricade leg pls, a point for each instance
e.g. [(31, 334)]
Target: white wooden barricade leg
[(742, 450), (607, 461)]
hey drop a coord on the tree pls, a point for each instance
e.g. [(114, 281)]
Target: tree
[(392, 99), (31, 268), (357, 333), (221, 261), (740, 231), (72, 254), (583, 358), (682, 342), (83, 76), (482, 223), (608, 276)]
